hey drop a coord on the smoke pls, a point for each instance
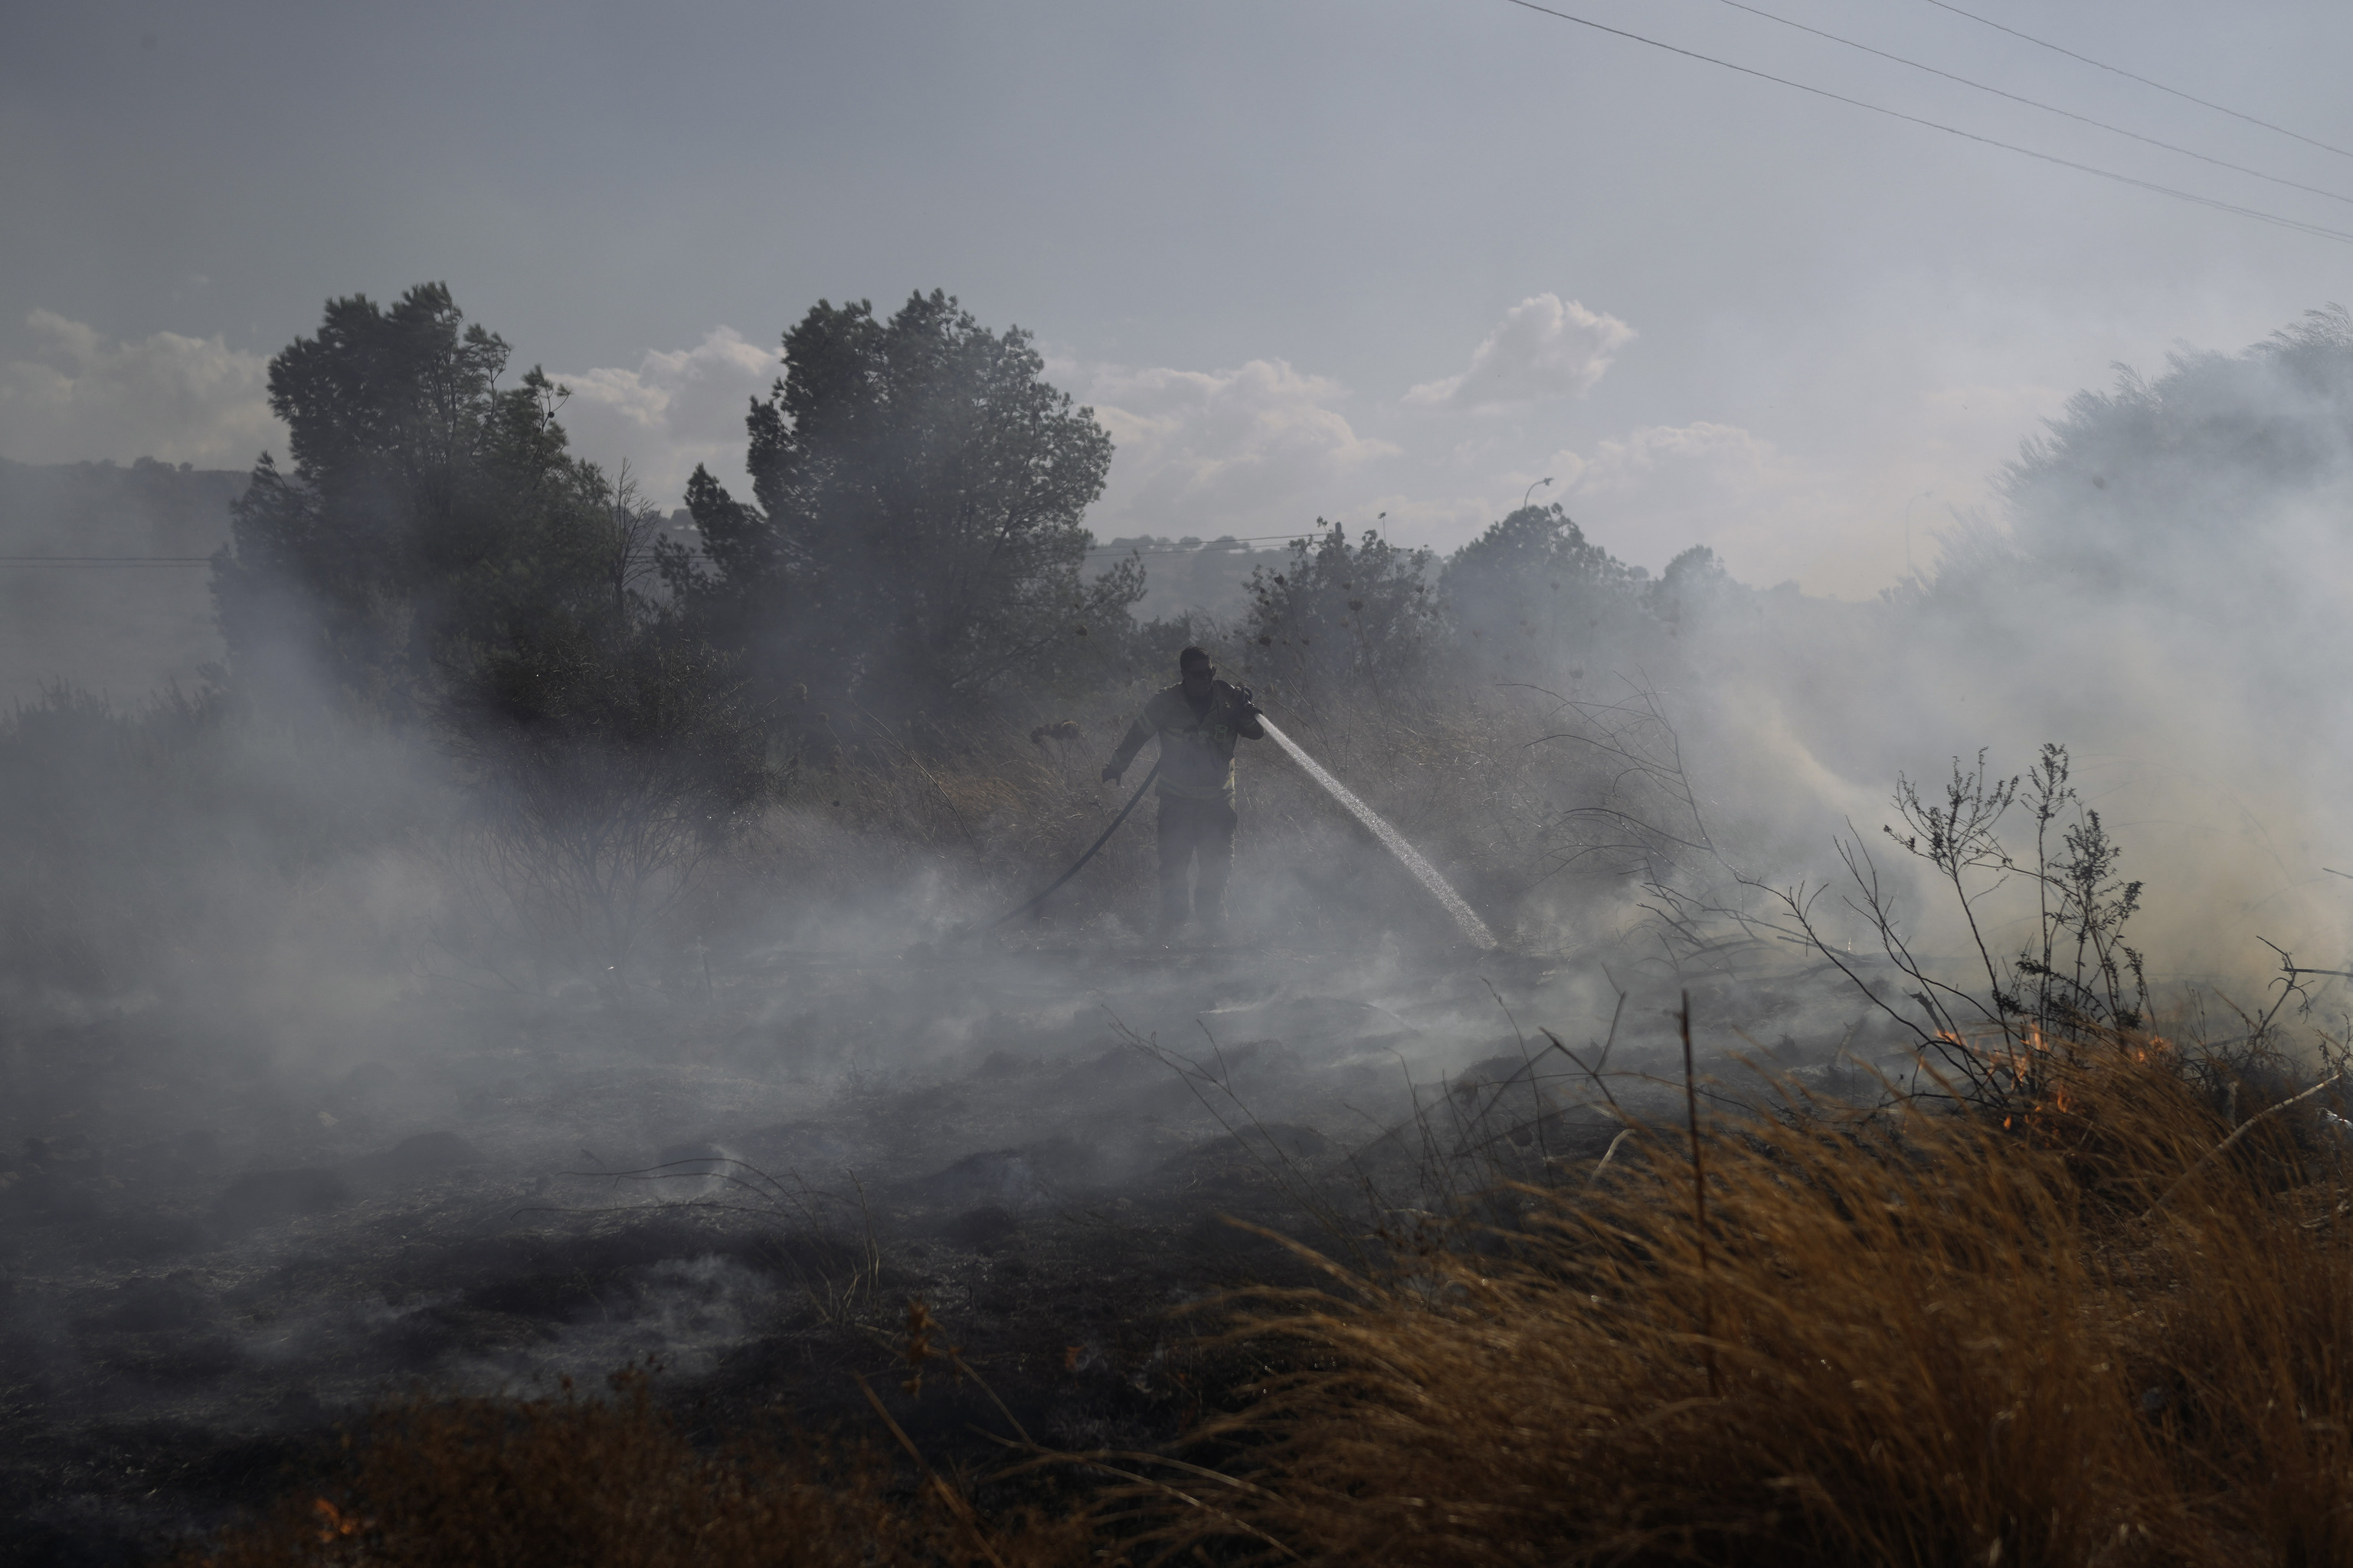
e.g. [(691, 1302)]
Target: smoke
[(252, 957), (2159, 600), (1474, 930), (2163, 601)]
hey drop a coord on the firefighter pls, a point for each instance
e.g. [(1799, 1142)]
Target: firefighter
[(1197, 720)]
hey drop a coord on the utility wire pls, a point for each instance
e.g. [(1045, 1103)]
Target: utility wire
[(1214, 548), (1183, 550), (2145, 81), (2316, 230), (2046, 107), (1206, 546), (105, 560)]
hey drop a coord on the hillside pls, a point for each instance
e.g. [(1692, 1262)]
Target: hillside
[(1205, 576)]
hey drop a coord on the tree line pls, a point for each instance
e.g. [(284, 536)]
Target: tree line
[(914, 546), (914, 551)]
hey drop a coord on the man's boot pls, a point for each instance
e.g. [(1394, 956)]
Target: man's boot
[(1173, 912)]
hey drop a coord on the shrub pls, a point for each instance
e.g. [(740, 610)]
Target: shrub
[(1342, 620)]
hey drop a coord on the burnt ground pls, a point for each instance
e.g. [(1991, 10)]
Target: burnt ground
[(215, 1249)]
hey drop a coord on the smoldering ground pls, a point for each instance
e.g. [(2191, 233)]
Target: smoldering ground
[(216, 1254), (329, 1072), (361, 1123)]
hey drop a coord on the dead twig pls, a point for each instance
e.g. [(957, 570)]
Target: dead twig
[(2204, 1159)]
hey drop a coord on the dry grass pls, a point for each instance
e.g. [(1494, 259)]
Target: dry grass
[(1934, 1340), (570, 1482), (1913, 1339)]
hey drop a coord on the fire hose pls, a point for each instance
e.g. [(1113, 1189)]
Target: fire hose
[(976, 928), (1466, 919)]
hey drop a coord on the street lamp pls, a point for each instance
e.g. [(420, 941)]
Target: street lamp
[(1531, 491)]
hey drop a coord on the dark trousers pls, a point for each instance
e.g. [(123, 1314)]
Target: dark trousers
[(1187, 829)]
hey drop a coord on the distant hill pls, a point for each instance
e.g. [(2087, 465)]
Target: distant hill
[(1194, 574), (123, 630)]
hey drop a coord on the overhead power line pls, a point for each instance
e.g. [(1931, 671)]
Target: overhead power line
[(1210, 546), (1206, 547), (105, 560), (2317, 231), (2046, 107), (2145, 81)]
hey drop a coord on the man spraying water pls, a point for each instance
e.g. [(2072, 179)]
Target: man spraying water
[(1197, 721)]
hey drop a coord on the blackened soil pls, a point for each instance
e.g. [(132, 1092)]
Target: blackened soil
[(218, 1245)]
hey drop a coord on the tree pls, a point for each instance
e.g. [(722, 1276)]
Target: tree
[(1341, 617), (437, 554), (915, 536), (1532, 590), (1694, 586), (426, 506)]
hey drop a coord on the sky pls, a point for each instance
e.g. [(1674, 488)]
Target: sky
[(1392, 262)]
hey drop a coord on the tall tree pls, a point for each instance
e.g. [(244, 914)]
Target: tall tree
[(436, 555), (915, 538), (427, 506)]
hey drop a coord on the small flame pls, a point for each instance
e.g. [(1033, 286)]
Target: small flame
[(336, 1524)]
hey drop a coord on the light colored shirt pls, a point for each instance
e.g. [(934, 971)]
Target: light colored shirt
[(1196, 747)]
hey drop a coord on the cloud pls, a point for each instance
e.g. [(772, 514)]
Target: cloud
[(676, 409), (79, 396), (1658, 490), (1255, 449), (74, 396), (1544, 347), (1694, 462), (1837, 523)]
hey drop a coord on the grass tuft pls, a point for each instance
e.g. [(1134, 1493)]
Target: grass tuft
[(1938, 1341)]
